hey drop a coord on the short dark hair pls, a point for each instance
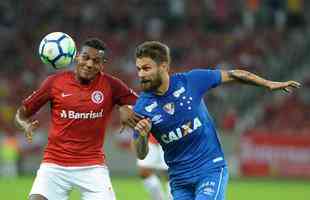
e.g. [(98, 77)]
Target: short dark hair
[(96, 44), (155, 50)]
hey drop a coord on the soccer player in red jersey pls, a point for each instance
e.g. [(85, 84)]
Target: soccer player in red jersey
[(81, 102)]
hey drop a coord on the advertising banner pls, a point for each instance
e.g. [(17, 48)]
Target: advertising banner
[(266, 154)]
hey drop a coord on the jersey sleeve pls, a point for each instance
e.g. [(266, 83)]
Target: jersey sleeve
[(203, 80), (122, 94), (39, 97)]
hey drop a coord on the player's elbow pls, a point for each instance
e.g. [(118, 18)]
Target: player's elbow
[(19, 117), (239, 73), (234, 75)]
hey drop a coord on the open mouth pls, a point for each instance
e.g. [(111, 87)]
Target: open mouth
[(145, 81)]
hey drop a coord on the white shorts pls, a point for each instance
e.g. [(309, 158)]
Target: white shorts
[(154, 159), (55, 182)]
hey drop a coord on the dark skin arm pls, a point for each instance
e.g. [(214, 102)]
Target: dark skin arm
[(246, 77), (23, 123)]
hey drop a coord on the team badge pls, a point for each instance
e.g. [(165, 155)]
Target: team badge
[(169, 108), (97, 97)]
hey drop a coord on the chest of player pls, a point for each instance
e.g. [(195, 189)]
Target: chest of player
[(175, 114), (82, 99)]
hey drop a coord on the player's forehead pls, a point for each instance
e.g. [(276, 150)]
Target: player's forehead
[(145, 61), (91, 52)]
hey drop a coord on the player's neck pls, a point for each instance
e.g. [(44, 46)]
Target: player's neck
[(164, 87), (83, 81)]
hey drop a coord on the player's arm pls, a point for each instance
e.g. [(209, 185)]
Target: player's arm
[(23, 122), (128, 117), (246, 77), (141, 134), (30, 106), (125, 97)]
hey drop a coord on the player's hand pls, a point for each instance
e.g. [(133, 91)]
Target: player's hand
[(28, 128), (128, 116), (287, 86), (144, 127)]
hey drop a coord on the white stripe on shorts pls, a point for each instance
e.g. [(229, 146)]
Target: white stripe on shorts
[(218, 187)]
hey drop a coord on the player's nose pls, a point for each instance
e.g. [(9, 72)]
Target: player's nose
[(141, 74), (90, 63)]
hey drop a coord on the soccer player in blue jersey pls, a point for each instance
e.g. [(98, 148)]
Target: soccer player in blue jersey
[(175, 113)]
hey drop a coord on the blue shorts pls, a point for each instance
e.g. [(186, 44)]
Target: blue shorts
[(211, 187)]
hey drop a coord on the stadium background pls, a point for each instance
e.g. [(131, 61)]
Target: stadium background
[(265, 136)]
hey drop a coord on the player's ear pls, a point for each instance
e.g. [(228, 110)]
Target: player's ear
[(102, 67), (165, 66)]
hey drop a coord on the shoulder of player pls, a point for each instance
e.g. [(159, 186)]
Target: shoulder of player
[(58, 76), (200, 70), (194, 72), (144, 100), (180, 76)]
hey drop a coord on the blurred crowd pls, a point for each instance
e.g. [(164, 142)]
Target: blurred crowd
[(287, 116), (262, 36)]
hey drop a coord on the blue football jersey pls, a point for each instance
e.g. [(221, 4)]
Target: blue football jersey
[(182, 125)]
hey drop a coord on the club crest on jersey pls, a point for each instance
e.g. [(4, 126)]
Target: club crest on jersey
[(169, 108), (97, 97)]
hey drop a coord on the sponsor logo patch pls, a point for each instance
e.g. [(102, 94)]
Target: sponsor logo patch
[(71, 114), (178, 92), (151, 107)]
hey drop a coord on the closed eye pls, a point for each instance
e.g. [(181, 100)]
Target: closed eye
[(144, 68), (85, 57)]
